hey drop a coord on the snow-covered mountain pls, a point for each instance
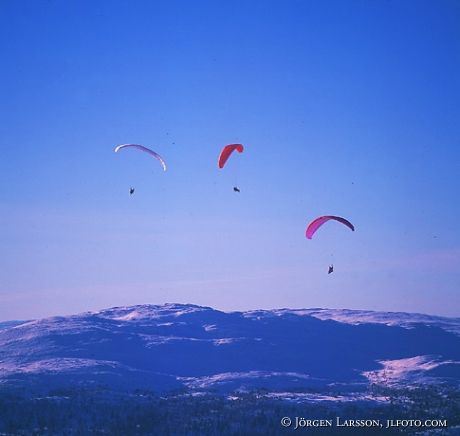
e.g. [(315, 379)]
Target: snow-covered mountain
[(172, 346)]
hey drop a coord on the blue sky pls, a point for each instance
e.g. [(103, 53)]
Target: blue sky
[(345, 107)]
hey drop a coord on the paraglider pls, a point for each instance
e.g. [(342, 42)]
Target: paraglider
[(225, 154), (318, 222), (227, 151), (131, 191), (331, 269), (142, 148)]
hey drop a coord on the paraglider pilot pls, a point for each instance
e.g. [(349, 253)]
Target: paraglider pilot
[(236, 189), (331, 269)]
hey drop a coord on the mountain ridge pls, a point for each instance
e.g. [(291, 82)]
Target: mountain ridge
[(192, 347)]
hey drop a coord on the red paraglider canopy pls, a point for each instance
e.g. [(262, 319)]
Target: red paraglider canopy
[(227, 151), (318, 222)]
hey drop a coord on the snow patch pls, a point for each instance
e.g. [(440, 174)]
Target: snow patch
[(54, 365), (408, 370), (216, 379), (225, 341), (301, 397)]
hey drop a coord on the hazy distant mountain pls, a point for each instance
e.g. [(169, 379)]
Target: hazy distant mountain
[(174, 346)]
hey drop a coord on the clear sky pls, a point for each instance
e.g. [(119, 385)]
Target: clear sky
[(347, 108)]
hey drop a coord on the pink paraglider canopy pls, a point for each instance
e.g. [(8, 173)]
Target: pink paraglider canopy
[(318, 222), (227, 151)]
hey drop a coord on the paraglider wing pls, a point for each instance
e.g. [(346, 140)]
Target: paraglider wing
[(227, 151), (318, 222), (147, 150)]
